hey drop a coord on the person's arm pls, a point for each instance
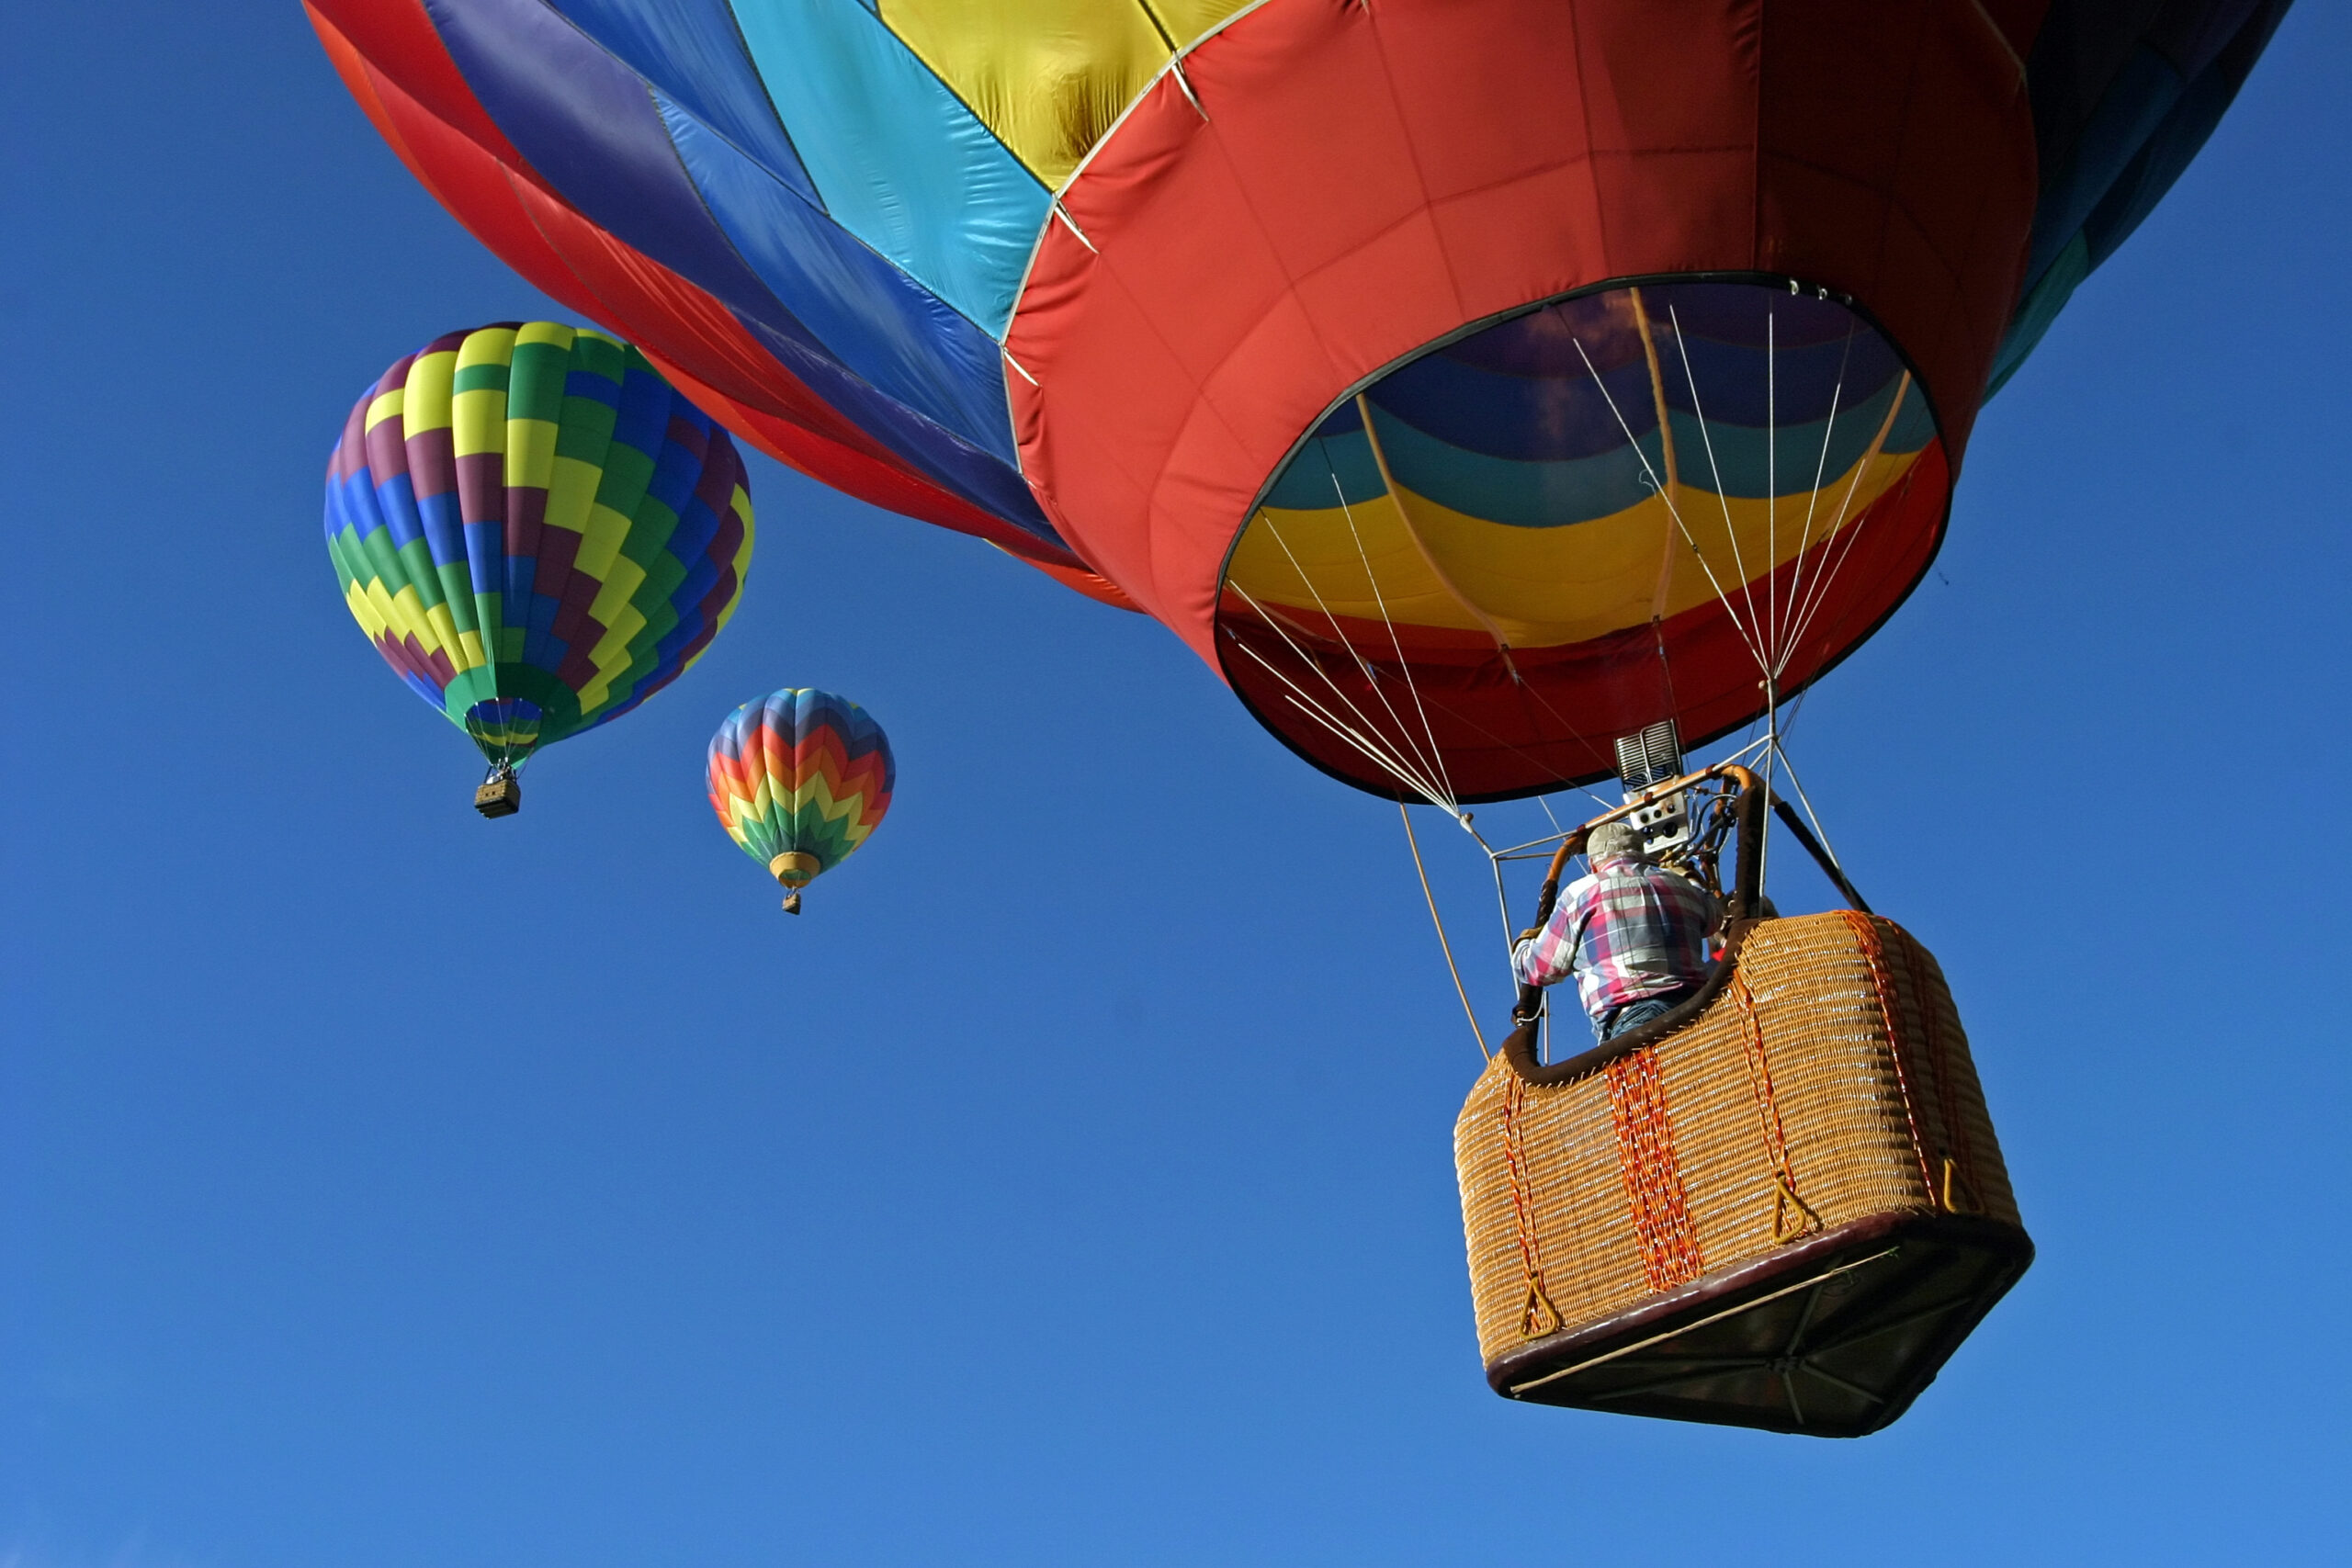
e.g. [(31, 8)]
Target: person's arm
[(1709, 908), (1549, 956)]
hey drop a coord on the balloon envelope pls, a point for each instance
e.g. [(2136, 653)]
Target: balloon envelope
[(535, 531), (1105, 284), (801, 778)]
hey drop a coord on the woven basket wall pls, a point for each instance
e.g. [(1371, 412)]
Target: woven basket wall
[(1827, 1082)]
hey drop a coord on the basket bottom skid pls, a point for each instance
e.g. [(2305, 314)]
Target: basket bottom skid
[(1832, 1337)]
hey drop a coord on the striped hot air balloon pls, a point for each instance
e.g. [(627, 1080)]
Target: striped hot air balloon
[(1470, 382), (799, 778), (537, 532)]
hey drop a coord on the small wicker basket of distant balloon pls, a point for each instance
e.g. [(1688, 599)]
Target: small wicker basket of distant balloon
[(1785, 1209)]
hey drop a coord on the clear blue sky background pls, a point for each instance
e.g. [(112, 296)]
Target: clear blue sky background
[(1072, 1184)]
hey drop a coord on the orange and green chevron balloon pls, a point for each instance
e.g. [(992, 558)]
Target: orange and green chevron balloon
[(535, 529), (798, 779)]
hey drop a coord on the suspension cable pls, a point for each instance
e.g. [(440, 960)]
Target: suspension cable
[(1451, 968), (1714, 468), (1429, 556), (1818, 830), (1372, 679), (1379, 753), (1772, 476), (1812, 497), (1818, 594), (1674, 511), (1380, 601)]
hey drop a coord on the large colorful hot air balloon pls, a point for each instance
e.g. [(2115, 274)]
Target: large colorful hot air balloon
[(799, 779), (537, 532), (1470, 382)]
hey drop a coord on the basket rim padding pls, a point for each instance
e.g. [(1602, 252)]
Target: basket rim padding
[(1519, 1048)]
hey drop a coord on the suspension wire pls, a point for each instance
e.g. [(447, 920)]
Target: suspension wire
[(1502, 906), (1533, 847), (1828, 579), (1380, 600), (1495, 864), (1528, 690), (1772, 753), (1818, 830), (1526, 851), (1796, 707), (1429, 556), (1388, 759), (1771, 587), (1782, 654), (1451, 968), (1511, 746), (1690, 380), (1377, 746), (1820, 592), (1662, 592), (1675, 512), (1772, 476), (1370, 679), (1665, 664), (1373, 750), (1433, 762)]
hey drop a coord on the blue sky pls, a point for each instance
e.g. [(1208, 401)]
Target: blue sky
[(1072, 1183)]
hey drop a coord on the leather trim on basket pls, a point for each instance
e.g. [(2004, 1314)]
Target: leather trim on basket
[(1519, 1048)]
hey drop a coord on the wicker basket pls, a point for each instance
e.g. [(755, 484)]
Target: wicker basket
[(1784, 1212), (500, 796)]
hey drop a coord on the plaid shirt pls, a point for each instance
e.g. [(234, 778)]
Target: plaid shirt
[(1629, 930)]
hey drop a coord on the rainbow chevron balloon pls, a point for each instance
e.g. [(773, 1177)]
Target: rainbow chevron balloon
[(798, 779), (535, 531)]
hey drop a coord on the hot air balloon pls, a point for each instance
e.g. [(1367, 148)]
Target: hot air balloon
[(1500, 395), (1469, 382), (537, 532), (799, 779)]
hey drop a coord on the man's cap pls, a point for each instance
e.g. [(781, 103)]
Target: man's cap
[(1614, 840)]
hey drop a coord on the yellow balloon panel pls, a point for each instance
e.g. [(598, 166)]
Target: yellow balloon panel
[(1050, 76)]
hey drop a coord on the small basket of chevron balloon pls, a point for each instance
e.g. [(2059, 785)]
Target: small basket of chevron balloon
[(537, 532), (1786, 1212), (799, 778)]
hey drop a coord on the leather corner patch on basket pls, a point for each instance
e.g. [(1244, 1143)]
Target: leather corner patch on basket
[(1655, 1196), (1537, 1315), (1792, 1216)]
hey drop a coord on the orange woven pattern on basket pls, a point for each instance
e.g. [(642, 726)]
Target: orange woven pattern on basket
[(1831, 1080), (1652, 1173)]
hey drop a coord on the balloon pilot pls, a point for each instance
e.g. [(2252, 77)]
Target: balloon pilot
[(1634, 934)]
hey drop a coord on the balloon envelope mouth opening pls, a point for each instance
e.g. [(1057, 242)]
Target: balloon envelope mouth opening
[(796, 868), (505, 729), (1635, 502)]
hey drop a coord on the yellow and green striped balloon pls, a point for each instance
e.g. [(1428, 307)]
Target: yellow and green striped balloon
[(535, 529)]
